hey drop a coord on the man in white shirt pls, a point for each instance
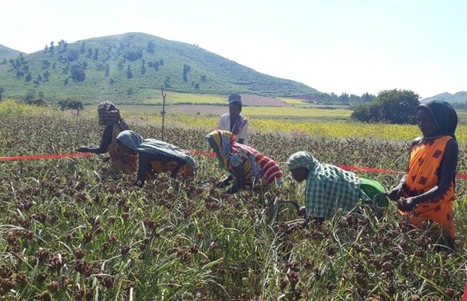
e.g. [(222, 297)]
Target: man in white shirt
[(234, 121)]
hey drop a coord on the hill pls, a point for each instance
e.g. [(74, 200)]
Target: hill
[(459, 97), (8, 53), (133, 67)]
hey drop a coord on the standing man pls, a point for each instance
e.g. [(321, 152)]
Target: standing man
[(234, 121)]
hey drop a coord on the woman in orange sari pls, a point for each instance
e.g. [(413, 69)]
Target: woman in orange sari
[(426, 192)]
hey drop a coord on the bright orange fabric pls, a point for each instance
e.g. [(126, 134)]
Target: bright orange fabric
[(425, 161), (159, 167)]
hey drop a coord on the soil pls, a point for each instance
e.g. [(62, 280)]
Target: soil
[(256, 100), (247, 100)]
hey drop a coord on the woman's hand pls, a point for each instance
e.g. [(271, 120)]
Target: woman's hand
[(407, 204), (224, 182), (232, 189), (302, 211), (395, 193)]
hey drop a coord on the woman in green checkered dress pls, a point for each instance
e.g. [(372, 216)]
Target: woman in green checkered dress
[(329, 187)]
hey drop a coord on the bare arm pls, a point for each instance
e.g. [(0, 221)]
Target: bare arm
[(105, 142)]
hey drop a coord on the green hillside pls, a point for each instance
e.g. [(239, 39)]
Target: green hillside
[(132, 67), (7, 53)]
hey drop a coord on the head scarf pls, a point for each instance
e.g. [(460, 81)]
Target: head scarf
[(136, 143), (302, 159), (443, 114), (109, 114), (221, 142), (328, 187), (235, 97)]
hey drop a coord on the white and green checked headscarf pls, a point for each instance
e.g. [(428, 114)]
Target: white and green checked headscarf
[(302, 159), (328, 187)]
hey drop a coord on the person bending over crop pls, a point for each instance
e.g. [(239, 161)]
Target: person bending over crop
[(427, 190), (329, 187), (246, 165), (109, 115), (155, 156)]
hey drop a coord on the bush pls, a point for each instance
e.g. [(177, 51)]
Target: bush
[(390, 106)]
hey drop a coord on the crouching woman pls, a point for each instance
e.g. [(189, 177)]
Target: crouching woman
[(156, 156), (329, 187), (246, 165)]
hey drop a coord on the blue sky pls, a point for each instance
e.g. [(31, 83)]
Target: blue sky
[(331, 45)]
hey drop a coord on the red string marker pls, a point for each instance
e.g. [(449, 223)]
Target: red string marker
[(197, 152)]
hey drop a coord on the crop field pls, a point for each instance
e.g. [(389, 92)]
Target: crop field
[(292, 101), (73, 230), (179, 98), (321, 126)]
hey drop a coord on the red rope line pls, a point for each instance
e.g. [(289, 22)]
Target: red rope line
[(39, 157), (197, 152)]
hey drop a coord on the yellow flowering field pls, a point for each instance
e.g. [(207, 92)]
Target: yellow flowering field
[(295, 112), (330, 129), (292, 101)]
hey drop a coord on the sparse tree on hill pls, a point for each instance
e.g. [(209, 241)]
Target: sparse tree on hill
[(96, 54), (167, 82), (73, 55), (46, 76), (120, 65), (107, 70), (77, 73), (134, 55), (129, 74), (151, 47), (45, 64), (186, 70), (143, 67)]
